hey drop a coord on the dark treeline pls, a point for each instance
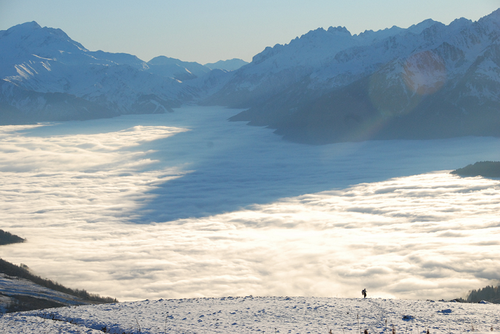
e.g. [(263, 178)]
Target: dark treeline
[(481, 168), (23, 272), (9, 238), (489, 293)]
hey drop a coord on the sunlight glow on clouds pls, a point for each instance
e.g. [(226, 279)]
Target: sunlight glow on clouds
[(333, 222)]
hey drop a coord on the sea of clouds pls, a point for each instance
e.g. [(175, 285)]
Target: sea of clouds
[(187, 204)]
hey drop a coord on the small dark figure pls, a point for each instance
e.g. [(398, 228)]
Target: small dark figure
[(366, 331), (363, 292)]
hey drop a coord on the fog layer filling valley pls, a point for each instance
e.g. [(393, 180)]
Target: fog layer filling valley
[(186, 204)]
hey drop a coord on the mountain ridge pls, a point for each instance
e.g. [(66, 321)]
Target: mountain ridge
[(427, 81), (47, 76), (441, 82)]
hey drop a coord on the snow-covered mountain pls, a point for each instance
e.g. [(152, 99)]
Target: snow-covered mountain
[(281, 66), (427, 81), (48, 76)]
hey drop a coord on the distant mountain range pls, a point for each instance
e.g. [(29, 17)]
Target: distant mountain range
[(428, 81), (227, 65), (46, 76)]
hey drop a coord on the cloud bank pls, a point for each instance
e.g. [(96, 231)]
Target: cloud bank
[(187, 204)]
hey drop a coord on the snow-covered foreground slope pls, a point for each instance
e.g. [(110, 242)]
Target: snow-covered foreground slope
[(261, 315), (187, 204)]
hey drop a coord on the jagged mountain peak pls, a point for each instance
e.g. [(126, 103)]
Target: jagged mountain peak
[(493, 14), (27, 40), (492, 20), (22, 28), (460, 22), (317, 44), (419, 27), (387, 31), (320, 34), (36, 36), (26, 26), (339, 30)]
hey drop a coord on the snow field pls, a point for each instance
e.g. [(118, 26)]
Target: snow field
[(263, 315)]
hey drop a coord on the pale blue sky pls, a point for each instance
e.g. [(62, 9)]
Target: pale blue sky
[(211, 30)]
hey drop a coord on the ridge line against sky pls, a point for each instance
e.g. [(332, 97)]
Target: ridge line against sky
[(208, 31)]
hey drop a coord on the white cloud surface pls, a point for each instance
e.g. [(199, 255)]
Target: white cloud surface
[(187, 204)]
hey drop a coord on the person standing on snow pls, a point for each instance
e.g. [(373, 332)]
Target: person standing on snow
[(363, 292)]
